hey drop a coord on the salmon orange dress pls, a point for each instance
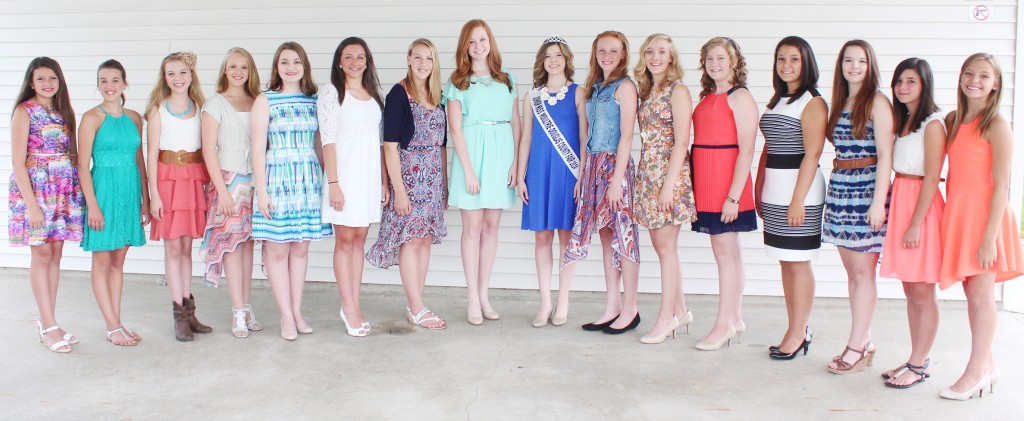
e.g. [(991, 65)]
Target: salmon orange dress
[(908, 162), (969, 188)]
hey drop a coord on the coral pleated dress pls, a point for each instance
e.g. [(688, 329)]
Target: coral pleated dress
[(969, 190), (182, 187), (715, 149)]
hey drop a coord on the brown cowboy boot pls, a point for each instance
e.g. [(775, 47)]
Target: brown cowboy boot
[(182, 332), (193, 322)]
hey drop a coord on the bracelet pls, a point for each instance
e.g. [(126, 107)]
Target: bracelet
[(731, 200), (332, 182)]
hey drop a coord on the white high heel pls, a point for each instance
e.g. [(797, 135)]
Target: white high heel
[(358, 331)]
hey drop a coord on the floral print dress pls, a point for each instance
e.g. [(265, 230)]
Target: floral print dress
[(54, 180), (658, 138), (423, 176)]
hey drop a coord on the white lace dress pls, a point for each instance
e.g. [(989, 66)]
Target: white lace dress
[(354, 129)]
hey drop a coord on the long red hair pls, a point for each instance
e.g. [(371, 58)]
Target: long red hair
[(463, 65)]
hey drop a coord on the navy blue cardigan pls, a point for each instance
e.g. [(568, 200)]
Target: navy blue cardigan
[(398, 123)]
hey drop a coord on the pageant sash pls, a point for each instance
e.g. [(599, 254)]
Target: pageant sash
[(558, 140)]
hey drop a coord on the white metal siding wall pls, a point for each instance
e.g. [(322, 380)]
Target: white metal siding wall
[(82, 34)]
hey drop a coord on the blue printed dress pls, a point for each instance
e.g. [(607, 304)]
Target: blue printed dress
[(850, 193), (294, 176), (549, 181)]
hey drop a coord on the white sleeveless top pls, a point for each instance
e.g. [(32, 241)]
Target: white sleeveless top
[(177, 134), (908, 151)]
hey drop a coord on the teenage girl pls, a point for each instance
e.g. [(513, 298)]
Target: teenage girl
[(45, 199), (483, 115), (178, 190), (349, 113), (860, 127), (227, 244), (980, 235), (113, 171), (549, 167), (605, 198), (724, 128)]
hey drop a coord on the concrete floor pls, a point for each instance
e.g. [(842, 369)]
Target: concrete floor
[(503, 370)]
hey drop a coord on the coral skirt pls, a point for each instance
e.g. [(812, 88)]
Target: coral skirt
[(922, 263), (183, 193)]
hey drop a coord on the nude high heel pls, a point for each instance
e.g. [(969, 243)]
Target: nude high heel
[(979, 388), (715, 346), (657, 339)]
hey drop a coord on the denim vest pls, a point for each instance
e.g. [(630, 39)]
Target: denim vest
[(604, 118)]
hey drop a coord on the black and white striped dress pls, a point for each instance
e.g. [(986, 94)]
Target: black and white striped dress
[(784, 141)]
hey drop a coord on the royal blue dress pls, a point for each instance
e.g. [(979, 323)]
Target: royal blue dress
[(549, 182)]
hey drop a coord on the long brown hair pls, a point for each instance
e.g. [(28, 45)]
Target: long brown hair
[(161, 91), (995, 98), (739, 64), (644, 78), (370, 80), (433, 81), (61, 100), (925, 104), (861, 105), (464, 66), (540, 74), (252, 85), (306, 84), (596, 74)]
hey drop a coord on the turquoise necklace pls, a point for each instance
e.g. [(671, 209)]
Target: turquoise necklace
[(188, 110)]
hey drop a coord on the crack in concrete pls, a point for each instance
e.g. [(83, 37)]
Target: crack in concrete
[(476, 393)]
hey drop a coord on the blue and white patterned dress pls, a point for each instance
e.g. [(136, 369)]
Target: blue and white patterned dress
[(294, 176), (850, 193)]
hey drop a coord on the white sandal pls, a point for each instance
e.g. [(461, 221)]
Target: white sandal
[(252, 324), (128, 337), (67, 336), (421, 317), (56, 346), (239, 327)]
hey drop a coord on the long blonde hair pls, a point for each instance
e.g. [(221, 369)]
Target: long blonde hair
[(433, 81), (596, 74), (161, 91), (995, 98), (463, 65), (252, 85), (644, 78), (739, 64)]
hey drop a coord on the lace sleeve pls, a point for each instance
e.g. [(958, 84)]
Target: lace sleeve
[(327, 109)]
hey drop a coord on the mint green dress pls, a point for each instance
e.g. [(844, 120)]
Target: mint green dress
[(486, 115), (116, 182)]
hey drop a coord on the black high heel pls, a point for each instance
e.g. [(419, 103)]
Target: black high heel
[(594, 327), (632, 325), (777, 354)]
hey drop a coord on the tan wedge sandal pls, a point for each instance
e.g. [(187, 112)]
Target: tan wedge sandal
[(867, 357)]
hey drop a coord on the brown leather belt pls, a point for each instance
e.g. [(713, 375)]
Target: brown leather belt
[(853, 164), (181, 158), (914, 177)]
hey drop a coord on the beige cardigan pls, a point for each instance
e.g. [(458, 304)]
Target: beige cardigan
[(233, 143)]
